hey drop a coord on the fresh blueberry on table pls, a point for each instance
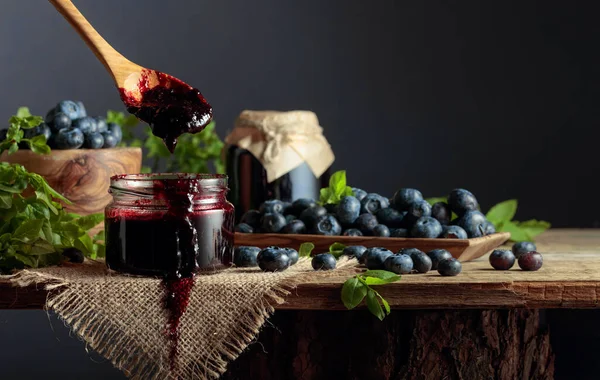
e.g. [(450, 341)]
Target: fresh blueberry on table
[(372, 203), (352, 232), (381, 230), (74, 255), (295, 226), (302, 204), (101, 125), (327, 225), (356, 251), (86, 124), (252, 218), (57, 121), (93, 140), (426, 227), (449, 267), (523, 247), (416, 210), (461, 201), (399, 232), (390, 217), (69, 108), (399, 264), (292, 254), (359, 193), (421, 262), (244, 228), (272, 222), (69, 138), (502, 259), (488, 228), (441, 211), (531, 261), (437, 256), (454, 232), (245, 257), (366, 223), (82, 111), (375, 257), (473, 222), (273, 259), (273, 206), (348, 210), (311, 215), (116, 130), (405, 197), (110, 141), (323, 261)]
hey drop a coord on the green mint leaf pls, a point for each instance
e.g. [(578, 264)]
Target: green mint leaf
[(374, 306), (47, 231), (5, 200), (27, 260), (42, 247), (68, 230), (503, 211), (85, 244), (534, 227), (385, 303), (353, 292), (29, 230), (377, 281), (435, 200), (337, 183), (306, 249), (32, 122), (23, 112), (325, 196), (382, 274), (516, 232), (99, 236), (347, 192), (336, 247), (89, 221), (38, 145), (99, 251), (13, 148)]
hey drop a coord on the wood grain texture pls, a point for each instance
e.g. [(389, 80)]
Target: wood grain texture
[(570, 278), (462, 249)]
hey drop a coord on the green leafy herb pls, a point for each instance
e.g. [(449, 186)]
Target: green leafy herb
[(357, 288), (503, 211), (336, 249), (306, 249), (14, 135), (336, 190)]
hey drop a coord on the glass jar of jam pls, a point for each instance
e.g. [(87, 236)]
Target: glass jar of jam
[(170, 225)]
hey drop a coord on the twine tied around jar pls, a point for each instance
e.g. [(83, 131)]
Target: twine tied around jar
[(282, 141)]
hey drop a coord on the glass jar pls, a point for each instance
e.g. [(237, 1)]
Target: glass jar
[(170, 225)]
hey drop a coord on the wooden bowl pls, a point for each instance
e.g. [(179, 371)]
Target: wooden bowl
[(81, 175), (461, 249)]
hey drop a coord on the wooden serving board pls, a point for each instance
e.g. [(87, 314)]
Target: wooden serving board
[(462, 249)]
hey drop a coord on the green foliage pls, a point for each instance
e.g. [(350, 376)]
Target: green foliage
[(306, 249), (358, 288), (14, 136), (336, 249), (336, 190)]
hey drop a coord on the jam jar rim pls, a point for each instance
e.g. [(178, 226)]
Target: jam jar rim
[(142, 177), (143, 184)]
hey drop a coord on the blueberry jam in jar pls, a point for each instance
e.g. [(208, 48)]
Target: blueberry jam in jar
[(169, 225)]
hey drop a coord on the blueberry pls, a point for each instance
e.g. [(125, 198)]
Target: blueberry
[(405, 197), (290, 217), (531, 261), (74, 255), (312, 214), (57, 121), (296, 226), (101, 124), (272, 222), (330, 207), (86, 124), (415, 211), (244, 228), (473, 222), (82, 111), (449, 267), (252, 218), (93, 141), (302, 204), (366, 223), (390, 217), (399, 232), (245, 257), (292, 254), (381, 230), (359, 193), (69, 138), (502, 259), (372, 203), (110, 141), (426, 227), (348, 210), (273, 206), (399, 264), (454, 232), (272, 259), (441, 211), (352, 232), (523, 247), (287, 208), (116, 130), (421, 261), (327, 225), (461, 201), (69, 108), (488, 228), (356, 251), (41, 129), (437, 256), (323, 261), (375, 257)]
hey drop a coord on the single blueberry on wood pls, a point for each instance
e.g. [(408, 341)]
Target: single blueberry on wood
[(273, 206), (356, 251), (292, 254), (399, 264), (244, 228), (426, 227), (327, 225), (366, 223), (69, 138), (473, 222), (295, 226), (352, 232), (449, 267), (245, 256), (272, 222), (421, 262), (461, 201), (252, 218), (323, 261), (523, 247), (375, 257), (454, 232), (488, 228), (441, 211), (405, 197), (273, 259), (93, 141), (348, 210), (438, 255), (86, 124), (381, 230), (502, 259), (531, 261)]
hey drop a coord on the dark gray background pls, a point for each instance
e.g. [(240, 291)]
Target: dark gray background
[(497, 97)]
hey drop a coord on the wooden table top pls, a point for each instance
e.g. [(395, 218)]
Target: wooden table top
[(570, 278)]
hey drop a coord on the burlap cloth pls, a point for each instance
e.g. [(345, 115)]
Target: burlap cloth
[(122, 318)]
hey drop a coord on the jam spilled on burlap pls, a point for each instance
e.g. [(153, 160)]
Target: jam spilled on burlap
[(176, 300)]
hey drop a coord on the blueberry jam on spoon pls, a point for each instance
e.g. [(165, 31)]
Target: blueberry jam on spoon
[(170, 106)]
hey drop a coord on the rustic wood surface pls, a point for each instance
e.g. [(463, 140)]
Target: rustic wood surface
[(570, 278), (462, 249)]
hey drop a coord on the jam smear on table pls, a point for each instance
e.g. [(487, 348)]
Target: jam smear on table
[(171, 107)]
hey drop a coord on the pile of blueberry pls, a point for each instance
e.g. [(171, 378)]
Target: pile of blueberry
[(525, 253), (406, 214), (406, 260), (67, 126), (277, 259)]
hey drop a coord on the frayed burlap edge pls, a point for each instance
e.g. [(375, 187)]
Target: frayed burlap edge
[(105, 337)]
